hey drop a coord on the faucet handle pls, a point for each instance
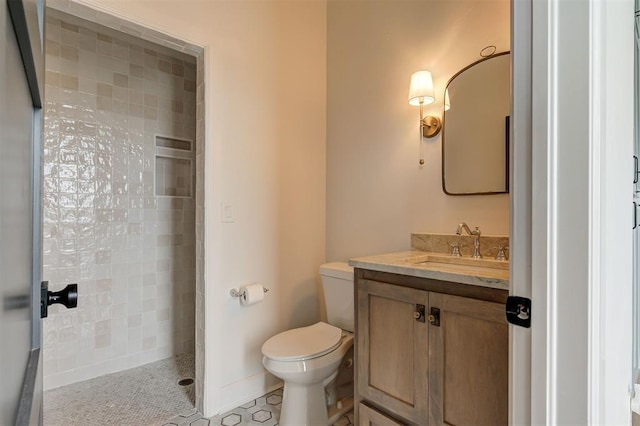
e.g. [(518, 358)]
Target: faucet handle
[(455, 250), (501, 255)]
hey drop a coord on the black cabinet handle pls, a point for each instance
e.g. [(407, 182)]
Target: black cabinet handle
[(418, 314), (434, 317)]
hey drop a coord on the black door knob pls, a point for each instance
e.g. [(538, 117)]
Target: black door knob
[(68, 297)]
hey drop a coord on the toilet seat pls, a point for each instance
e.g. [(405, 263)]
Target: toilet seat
[(303, 343)]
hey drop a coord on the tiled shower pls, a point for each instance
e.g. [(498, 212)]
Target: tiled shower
[(118, 200)]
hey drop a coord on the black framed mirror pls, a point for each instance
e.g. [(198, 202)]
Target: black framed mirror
[(475, 134)]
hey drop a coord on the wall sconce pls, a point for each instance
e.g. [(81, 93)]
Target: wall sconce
[(421, 93)]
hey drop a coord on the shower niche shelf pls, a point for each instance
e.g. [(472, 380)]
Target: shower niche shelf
[(174, 167)]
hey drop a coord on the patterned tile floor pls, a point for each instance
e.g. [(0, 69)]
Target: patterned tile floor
[(150, 395), (147, 395), (264, 411)]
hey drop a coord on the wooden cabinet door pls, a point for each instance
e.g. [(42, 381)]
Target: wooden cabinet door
[(393, 349), (469, 362), (371, 417)]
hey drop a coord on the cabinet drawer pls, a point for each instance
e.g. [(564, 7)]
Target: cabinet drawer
[(370, 417)]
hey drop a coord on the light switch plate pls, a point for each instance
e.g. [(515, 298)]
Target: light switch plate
[(228, 213)]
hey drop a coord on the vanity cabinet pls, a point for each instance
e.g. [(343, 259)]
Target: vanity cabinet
[(429, 352), (371, 417)]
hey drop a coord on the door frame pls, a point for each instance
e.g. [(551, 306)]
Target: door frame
[(520, 339), (570, 210), (611, 188)]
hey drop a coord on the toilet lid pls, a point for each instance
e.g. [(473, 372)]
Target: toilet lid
[(304, 342)]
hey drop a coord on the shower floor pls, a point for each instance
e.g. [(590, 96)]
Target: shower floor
[(150, 395), (146, 395)]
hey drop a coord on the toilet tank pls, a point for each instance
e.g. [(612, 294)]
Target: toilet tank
[(337, 282)]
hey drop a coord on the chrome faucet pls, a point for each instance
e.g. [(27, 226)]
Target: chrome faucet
[(476, 240)]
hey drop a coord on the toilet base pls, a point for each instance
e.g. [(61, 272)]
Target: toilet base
[(303, 405)]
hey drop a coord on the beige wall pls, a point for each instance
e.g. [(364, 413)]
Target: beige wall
[(376, 192), (265, 116)]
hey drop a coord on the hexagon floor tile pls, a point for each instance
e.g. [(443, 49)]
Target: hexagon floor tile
[(231, 420), (261, 416), (264, 411), (249, 404), (200, 422), (274, 399)]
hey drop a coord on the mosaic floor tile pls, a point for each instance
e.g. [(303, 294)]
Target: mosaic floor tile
[(150, 395), (147, 395)]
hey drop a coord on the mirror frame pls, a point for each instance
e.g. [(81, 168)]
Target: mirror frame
[(507, 131)]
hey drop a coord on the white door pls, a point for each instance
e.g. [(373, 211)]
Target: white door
[(20, 147), (571, 210)]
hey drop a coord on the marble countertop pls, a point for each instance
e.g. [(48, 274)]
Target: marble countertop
[(439, 266)]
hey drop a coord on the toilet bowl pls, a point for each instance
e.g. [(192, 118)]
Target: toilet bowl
[(307, 359), (306, 372)]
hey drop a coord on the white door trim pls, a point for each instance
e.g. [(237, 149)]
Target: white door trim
[(540, 392), (580, 201), (520, 217), (530, 397), (611, 190), (595, 211)]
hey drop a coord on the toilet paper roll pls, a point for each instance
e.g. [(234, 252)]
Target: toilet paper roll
[(252, 294)]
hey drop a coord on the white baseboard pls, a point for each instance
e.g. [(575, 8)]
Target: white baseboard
[(243, 391)]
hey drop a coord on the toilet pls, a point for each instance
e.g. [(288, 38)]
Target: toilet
[(309, 359)]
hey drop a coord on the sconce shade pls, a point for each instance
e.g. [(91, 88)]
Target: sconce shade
[(421, 88), (447, 102)]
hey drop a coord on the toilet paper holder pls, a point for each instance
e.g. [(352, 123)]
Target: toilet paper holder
[(238, 292)]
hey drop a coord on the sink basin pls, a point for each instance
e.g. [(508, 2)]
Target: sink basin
[(452, 267), (464, 265)]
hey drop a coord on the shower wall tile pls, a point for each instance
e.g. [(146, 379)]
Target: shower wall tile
[(133, 254)]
